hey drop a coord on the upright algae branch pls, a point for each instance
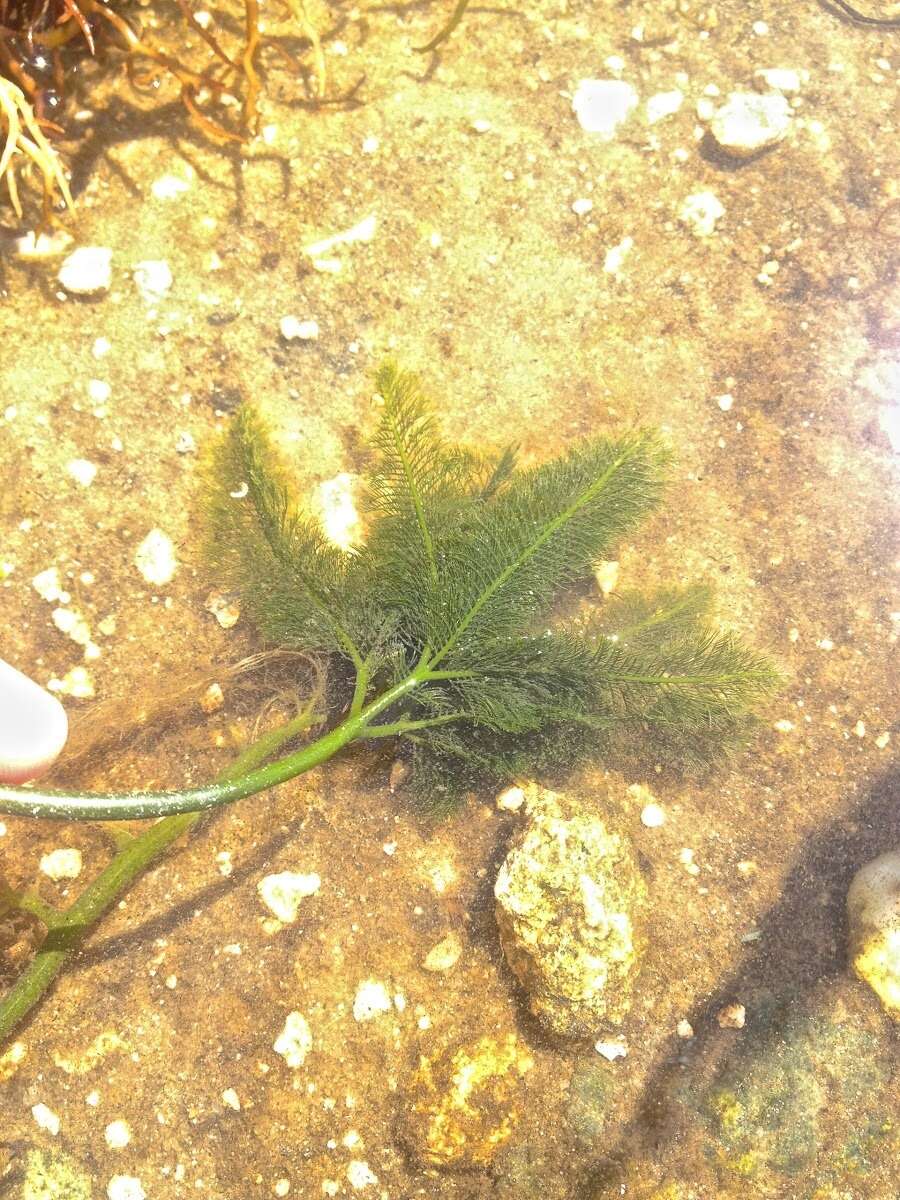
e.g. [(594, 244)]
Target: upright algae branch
[(439, 627)]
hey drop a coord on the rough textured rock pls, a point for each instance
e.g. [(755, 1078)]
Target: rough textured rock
[(567, 899), (462, 1105), (873, 910)]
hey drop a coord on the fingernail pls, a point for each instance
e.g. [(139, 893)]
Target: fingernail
[(33, 726)]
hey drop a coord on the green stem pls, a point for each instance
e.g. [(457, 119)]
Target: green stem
[(130, 806), (66, 929), (396, 728)]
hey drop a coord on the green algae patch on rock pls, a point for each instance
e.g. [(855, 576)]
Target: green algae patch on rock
[(873, 911), (569, 897), (463, 1104), (47, 1175), (808, 1101)]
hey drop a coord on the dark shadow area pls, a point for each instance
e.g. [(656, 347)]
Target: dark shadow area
[(801, 944)]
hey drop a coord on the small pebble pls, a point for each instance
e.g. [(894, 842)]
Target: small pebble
[(87, 271), (653, 816), (663, 104), (283, 893), (684, 1028), (607, 576), (371, 999), (612, 1049), (153, 279), (732, 1016), (45, 1118), (445, 955), (781, 79), (748, 123), (155, 558), (231, 1100), (701, 212), (511, 799), (125, 1187), (360, 1175), (225, 609), (82, 471), (292, 329), (212, 699), (64, 863), (295, 1040), (117, 1135), (582, 207), (601, 105)]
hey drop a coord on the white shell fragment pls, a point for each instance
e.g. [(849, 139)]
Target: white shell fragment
[(748, 123), (295, 1040), (283, 893), (87, 271), (155, 558), (601, 105)]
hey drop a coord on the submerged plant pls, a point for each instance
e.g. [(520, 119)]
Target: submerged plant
[(438, 631)]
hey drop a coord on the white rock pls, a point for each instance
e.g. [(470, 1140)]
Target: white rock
[(748, 123), (125, 1187), (283, 893), (612, 1049), (295, 1040), (782, 79), (873, 909), (153, 279), (155, 558), (293, 329), (732, 1016), (48, 586), (372, 999), (701, 212), (231, 1099), (601, 105), (82, 471), (582, 206), (360, 1175), (663, 104), (606, 574), (64, 863), (76, 683), (653, 816), (511, 799), (45, 1118), (117, 1135), (87, 271)]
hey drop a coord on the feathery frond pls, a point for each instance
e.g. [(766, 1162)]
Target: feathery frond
[(465, 558)]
